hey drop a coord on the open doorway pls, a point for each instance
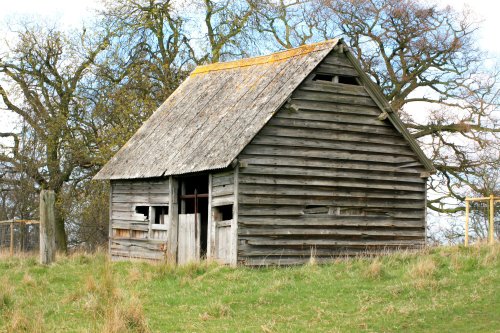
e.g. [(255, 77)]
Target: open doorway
[(193, 218)]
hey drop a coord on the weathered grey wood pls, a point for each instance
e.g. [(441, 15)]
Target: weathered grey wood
[(222, 201), (306, 95), (224, 238), (328, 163), (226, 179), (329, 173), (259, 231), (290, 210), (210, 222), (336, 183), (317, 251), (339, 61), (47, 227), (322, 221), (336, 88), (219, 191), (342, 202), (310, 152), (326, 111), (234, 222), (188, 239), (335, 69), (173, 220), (360, 138), (117, 224), (320, 192), (111, 222), (332, 242)]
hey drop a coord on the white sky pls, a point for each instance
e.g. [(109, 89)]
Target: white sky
[(73, 13)]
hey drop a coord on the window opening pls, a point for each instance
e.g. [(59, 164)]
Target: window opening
[(224, 213), (348, 80), (160, 214), (144, 210), (323, 77)]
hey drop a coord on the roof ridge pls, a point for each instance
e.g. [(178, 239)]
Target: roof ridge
[(270, 58)]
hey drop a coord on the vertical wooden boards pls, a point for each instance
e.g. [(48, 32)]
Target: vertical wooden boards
[(234, 222), (327, 179), (210, 223), (173, 219), (224, 242), (129, 202), (47, 227), (188, 239)]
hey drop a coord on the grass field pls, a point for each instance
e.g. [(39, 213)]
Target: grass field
[(449, 289)]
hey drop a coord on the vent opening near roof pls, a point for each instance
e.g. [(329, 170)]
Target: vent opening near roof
[(323, 77), (343, 79), (348, 80)]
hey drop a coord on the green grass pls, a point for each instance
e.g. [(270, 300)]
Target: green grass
[(449, 289)]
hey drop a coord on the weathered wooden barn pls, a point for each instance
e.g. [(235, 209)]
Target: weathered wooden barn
[(269, 160)]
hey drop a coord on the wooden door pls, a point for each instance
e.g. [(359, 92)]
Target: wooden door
[(188, 238), (223, 241)]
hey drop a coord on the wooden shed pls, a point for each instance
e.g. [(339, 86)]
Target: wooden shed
[(269, 160)]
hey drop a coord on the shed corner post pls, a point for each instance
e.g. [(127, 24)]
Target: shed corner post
[(173, 220), (234, 222), (210, 223), (110, 226)]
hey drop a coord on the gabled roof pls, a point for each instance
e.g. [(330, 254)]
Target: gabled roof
[(218, 110)]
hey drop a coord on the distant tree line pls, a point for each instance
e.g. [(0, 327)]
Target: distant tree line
[(80, 94)]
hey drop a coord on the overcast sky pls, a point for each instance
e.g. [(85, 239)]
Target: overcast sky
[(73, 13)]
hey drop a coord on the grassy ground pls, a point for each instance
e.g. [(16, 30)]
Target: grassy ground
[(452, 289)]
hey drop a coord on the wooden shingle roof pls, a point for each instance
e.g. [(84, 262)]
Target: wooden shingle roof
[(219, 109), (214, 114)]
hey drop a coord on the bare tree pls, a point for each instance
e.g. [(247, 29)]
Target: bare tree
[(42, 80), (287, 23), (426, 58)]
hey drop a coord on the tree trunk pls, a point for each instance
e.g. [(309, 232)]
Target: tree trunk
[(61, 240), (61, 237)]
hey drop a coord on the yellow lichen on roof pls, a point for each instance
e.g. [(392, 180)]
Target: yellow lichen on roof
[(279, 56)]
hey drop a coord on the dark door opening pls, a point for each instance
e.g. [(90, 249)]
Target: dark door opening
[(193, 195)]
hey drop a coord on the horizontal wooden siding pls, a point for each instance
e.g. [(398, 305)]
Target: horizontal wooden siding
[(329, 179), (131, 236)]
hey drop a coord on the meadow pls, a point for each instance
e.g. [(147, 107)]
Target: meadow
[(444, 289)]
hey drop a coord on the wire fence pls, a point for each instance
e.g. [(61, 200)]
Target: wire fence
[(19, 236)]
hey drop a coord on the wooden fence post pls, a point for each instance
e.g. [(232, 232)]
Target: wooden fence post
[(12, 238), (47, 227), (492, 217), (466, 222)]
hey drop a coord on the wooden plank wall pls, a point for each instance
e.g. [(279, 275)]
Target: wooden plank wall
[(223, 188), (130, 237), (328, 179), (222, 193)]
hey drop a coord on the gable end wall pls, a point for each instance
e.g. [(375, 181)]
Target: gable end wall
[(329, 179)]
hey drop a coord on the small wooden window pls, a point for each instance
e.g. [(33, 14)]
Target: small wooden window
[(144, 210), (160, 213), (223, 213)]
